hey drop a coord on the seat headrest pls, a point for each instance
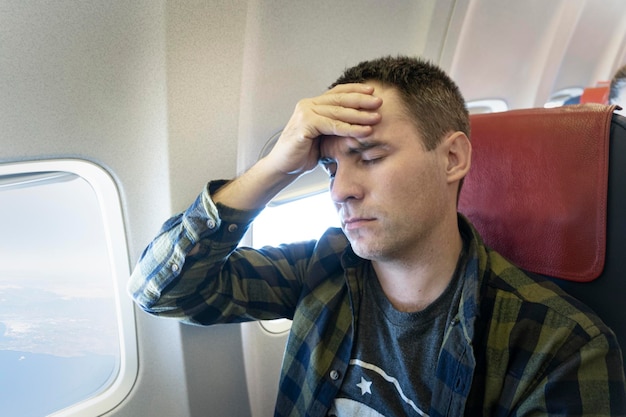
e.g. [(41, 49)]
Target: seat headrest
[(597, 94), (537, 187)]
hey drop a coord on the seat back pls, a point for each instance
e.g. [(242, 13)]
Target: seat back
[(597, 94), (547, 189)]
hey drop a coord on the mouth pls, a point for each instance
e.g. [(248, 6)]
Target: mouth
[(354, 223)]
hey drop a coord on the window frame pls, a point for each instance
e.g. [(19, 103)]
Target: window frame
[(492, 105), (559, 97), (109, 202)]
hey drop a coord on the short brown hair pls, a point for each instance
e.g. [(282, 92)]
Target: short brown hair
[(432, 99), (618, 82)]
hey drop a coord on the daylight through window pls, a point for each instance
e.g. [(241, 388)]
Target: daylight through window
[(62, 338)]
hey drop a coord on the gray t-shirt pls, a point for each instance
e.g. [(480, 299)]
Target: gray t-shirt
[(395, 355)]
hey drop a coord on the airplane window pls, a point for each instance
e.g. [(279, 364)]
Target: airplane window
[(295, 220), (67, 342), (560, 98), (486, 106)]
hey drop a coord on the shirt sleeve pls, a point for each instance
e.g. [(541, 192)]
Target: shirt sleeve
[(589, 381), (223, 282), (164, 259)]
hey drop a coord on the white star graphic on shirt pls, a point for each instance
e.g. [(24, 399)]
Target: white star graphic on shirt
[(365, 386)]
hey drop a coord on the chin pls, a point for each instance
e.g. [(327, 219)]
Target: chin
[(371, 254), (367, 247)]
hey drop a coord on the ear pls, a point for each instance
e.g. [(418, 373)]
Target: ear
[(458, 156)]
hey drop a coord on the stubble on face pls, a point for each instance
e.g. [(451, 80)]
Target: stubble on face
[(400, 196)]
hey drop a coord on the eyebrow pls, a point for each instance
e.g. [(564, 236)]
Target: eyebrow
[(363, 146)]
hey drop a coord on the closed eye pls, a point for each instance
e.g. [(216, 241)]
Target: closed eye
[(371, 161), (372, 156)]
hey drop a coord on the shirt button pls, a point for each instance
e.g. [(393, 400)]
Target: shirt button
[(233, 228), (210, 224), (334, 375), (174, 267)]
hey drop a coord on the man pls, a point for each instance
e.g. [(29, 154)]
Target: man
[(617, 90), (402, 311)]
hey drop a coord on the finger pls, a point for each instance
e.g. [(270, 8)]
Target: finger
[(351, 88), (333, 127), (354, 100), (347, 114), (355, 95)]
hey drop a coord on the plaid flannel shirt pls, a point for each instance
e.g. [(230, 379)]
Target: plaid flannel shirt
[(516, 347)]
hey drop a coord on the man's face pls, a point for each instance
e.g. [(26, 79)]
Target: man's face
[(390, 193)]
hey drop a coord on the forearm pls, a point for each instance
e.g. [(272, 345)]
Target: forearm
[(216, 282), (166, 256), (254, 188)]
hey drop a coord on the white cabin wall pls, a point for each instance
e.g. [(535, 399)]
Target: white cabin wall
[(503, 45), (595, 57), (87, 79), (296, 49), (524, 51), (205, 44)]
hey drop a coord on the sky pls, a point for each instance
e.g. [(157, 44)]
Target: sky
[(312, 215), (56, 284)]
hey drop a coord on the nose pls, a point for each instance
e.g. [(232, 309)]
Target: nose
[(345, 186)]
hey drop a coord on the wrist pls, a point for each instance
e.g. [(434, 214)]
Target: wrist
[(254, 188)]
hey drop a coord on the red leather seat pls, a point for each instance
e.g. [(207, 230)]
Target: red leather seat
[(547, 189), (598, 94)]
